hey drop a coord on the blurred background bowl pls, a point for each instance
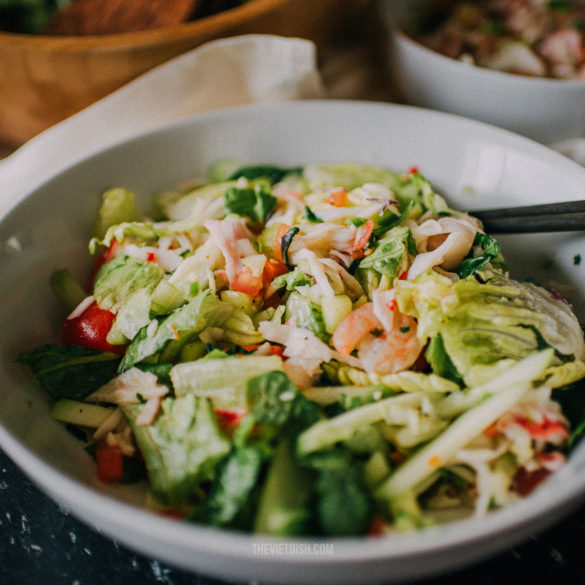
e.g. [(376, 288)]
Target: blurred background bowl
[(44, 79), (546, 110)]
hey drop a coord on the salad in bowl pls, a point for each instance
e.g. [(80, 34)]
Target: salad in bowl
[(324, 350)]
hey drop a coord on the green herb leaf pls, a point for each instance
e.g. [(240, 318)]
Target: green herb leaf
[(69, 371), (309, 214), (254, 203), (344, 506), (356, 221), (272, 173), (485, 249)]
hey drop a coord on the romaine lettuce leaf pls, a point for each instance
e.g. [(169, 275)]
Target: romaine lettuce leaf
[(118, 206), (133, 315), (181, 449), (146, 232), (120, 278), (390, 255), (488, 321), (205, 310), (306, 315), (292, 279)]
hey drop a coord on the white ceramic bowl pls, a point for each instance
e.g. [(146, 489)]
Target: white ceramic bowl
[(474, 165), (547, 110)]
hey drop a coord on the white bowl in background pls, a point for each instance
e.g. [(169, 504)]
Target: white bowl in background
[(472, 164), (547, 110)]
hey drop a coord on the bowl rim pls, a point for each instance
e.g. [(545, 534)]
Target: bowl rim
[(347, 550), (207, 25)]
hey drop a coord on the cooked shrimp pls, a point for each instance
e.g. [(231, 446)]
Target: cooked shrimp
[(395, 349), (354, 328)]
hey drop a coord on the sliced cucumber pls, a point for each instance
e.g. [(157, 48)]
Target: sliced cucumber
[(80, 413), (335, 309), (223, 381), (67, 288), (284, 501)]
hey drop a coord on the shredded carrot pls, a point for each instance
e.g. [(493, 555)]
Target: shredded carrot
[(338, 198)]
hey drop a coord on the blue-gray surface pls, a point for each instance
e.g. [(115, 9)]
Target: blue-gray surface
[(41, 545)]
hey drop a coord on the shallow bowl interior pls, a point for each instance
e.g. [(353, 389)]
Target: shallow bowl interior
[(472, 164)]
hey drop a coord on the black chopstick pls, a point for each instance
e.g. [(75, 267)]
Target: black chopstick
[(547, 217)]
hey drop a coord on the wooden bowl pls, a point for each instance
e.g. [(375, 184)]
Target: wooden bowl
[(45, 79)]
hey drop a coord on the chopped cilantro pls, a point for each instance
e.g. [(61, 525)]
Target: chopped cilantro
[(310, 215), (255, 203)]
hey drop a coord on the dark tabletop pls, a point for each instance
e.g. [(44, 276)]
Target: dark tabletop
[(40, 544)]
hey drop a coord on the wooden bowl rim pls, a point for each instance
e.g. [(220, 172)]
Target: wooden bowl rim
[(202, 27)]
